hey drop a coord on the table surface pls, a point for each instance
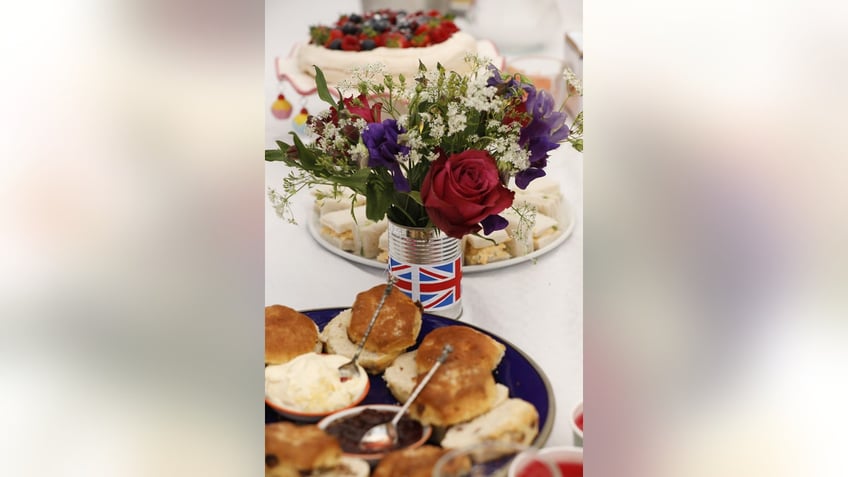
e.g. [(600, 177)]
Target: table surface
[(537, 306)]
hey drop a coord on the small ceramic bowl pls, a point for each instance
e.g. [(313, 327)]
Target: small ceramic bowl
[(312, 417), (577, 423), (564, 461), (349, 449), (326, 363)]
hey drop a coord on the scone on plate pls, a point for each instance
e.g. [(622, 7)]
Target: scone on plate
[(514, 421), (288, 334), (455, 394), (418, 462), (471, 348), (402, 376), (305, 448), (395, 330), (292, 450)]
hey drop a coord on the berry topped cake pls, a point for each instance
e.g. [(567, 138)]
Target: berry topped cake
[(392, 37)]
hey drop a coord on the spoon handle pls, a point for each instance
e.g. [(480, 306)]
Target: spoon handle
[(448, 349), (386, 293)]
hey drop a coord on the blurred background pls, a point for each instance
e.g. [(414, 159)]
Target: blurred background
[(131, 262)]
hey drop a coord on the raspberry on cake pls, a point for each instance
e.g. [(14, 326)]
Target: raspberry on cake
[(397, 39)]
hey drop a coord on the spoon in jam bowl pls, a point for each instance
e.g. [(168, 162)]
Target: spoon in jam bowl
[(350, 369), (384, 436)]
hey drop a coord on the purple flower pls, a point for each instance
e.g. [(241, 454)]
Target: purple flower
[(506, 88), (492, 223), (381, 139), (541, 135)]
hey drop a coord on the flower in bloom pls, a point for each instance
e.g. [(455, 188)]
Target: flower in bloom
[(541, 135), (381, 139), (359, 107), (463, 191)]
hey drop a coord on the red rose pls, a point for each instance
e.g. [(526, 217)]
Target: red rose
[(462, 190)]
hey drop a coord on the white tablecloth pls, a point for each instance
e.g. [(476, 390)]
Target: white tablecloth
[(537, 306)]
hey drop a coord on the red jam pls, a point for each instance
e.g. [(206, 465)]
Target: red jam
[(538, 469), (349, 430), (579, 421)]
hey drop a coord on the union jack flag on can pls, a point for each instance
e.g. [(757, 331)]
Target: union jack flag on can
[(436, 285)]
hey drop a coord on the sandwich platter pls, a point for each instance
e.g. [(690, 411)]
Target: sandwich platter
[(566, 222), (517, 371)]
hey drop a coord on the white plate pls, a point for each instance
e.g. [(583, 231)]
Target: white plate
[(568, 219), (304, 84)]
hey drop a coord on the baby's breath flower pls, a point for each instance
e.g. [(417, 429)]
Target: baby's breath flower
[(572, 80), (456, 119)]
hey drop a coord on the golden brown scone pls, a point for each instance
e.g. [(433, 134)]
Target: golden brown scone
[(455, 394), (397, 327), (275, 468), (514, 421), (470, 347), (409, 462), (336, 341), (302, 447), (288, 334)]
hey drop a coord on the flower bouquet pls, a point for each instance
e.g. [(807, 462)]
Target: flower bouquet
[(434, 151)]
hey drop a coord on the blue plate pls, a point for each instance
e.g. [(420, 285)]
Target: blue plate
[(517, 371)]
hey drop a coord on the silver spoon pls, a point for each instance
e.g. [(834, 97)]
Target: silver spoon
[(383, 436), (350, 369)]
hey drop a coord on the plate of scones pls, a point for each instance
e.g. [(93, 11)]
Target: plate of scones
[(486, 390), (540, 220)]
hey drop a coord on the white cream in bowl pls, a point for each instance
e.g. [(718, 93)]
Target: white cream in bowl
[(311, 384)]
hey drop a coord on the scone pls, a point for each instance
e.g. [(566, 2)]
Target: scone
[(417, 462), (336, 341), (303, 447), (470, 347), (456, 393), (347, 467), (397, 326), (402, 376), (514, 421), (288, 334)]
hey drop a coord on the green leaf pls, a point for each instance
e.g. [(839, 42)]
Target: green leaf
[(358, 181), (378, 198), (272, 155), (306, 156), (323, 91), (416, 196)]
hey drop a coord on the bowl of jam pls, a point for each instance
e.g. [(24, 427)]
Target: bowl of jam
[(561, 461), (577, 423), (349, 425)]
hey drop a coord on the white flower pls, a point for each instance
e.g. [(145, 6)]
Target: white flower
[(437, 127), (359, 153), (456, 119)]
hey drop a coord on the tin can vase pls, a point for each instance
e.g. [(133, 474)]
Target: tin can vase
[(427, 265)]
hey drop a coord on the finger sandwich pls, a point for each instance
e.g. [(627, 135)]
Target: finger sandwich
[(352, 232), (328, 200), (483, 249)]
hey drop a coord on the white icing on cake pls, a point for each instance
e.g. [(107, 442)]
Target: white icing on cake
[(337, 64)]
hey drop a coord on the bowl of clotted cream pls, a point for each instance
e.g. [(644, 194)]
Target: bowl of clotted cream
[(310, 387)]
